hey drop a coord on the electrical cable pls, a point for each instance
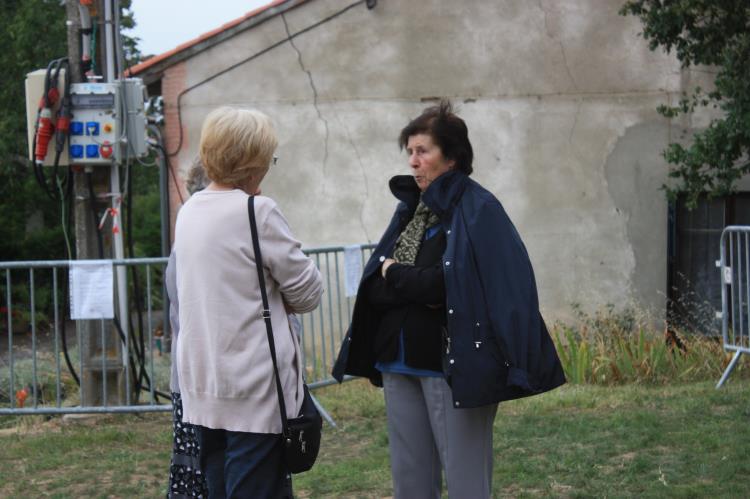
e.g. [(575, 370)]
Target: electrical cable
[(117, 35), (136, 358), (59, 129), (94, 29), (69, 199), (45, 104), (100, 245), (289, 38), (66, 355), (171, 171), (143, 163), (65, 215), (62, 124), (139, 339), (164, 208), (137, 296), (61, 188)]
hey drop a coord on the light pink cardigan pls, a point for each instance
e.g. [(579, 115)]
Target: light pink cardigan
[(223, 357)]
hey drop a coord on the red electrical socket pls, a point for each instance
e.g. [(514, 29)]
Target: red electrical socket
[(105, 149), (44, 134)]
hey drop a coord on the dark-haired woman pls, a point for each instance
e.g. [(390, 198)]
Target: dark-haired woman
[(446, 317), (185, 476)]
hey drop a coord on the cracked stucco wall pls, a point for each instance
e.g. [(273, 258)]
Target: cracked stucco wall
[(559, 97)]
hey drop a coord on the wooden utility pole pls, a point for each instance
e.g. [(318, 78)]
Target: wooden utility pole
[(100, 347)]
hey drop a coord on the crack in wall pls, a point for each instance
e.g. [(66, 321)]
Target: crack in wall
[(559, 42), (571, 142), (314, 91), (364, 181), (575, 121)]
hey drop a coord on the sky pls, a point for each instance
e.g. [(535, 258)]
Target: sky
[(162, 25)]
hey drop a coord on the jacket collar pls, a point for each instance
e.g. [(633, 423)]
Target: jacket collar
[(445, 192), (405, 189), (441, 196)]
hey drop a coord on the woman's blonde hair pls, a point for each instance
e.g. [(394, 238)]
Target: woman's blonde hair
[(234, 142)]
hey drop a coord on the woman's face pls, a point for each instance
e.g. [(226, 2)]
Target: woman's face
[(426, 160)]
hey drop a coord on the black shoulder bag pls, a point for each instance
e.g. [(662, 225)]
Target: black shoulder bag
[(301, 434)]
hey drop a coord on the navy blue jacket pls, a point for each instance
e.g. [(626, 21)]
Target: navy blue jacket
[(496, 346)]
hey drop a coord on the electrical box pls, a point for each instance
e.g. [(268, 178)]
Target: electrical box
[(95, 126), (108, 121), (135, 97), (34, 90)]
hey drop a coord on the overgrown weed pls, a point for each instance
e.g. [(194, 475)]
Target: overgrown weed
[(614, 347)]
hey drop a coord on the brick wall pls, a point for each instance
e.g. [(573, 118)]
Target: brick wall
[(172, 83)]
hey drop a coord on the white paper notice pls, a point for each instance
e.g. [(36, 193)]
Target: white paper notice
[(91, 290), (353, 268)]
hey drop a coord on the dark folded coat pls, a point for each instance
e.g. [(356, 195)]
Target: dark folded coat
[(496, 346)]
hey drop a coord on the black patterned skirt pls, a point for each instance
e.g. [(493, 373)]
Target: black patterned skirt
[(185, 477)]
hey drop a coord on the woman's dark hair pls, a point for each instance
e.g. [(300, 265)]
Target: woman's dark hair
[(447, 130)]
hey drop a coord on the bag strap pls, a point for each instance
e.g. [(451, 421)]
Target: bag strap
[(266, 310)]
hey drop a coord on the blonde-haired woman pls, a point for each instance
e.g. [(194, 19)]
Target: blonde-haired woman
[(225, 369)]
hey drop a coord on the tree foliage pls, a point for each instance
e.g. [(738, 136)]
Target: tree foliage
[(129, 43), (32, 33), (716, 34)]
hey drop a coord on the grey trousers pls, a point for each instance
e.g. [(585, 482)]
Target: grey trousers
[(427, 434)]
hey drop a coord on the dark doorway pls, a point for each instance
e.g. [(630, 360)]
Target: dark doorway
[(693, 280)]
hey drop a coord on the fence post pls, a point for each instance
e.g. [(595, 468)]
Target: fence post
[(735, 286)]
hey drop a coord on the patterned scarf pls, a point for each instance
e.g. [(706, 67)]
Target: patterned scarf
[(410, 239)]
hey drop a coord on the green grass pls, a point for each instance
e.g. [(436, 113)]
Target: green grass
[(682, 440)]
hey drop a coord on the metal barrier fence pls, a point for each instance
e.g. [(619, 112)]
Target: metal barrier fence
[(43, 370), (735, 293)]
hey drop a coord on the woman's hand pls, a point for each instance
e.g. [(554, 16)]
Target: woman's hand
[(384, 267)]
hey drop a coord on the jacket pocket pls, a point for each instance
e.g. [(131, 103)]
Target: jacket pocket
[(486, 339)]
